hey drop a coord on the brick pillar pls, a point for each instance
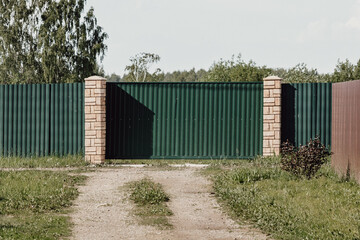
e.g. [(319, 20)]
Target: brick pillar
[(272, 116), (95, 119)]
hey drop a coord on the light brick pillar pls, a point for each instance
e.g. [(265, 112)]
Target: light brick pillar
[(272, 116), (95, 119)]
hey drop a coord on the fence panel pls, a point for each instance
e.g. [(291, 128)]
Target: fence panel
[(306, 112), (184, 120), (346, 128), (41, 119)]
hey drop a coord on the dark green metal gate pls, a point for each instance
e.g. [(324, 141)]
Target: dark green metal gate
[(306, 112), (184, 120), (41, 119)]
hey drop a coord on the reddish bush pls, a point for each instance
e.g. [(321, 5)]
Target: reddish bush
[(305, 160)]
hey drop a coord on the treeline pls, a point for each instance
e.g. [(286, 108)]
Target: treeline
[(238, 70), (48, 41)]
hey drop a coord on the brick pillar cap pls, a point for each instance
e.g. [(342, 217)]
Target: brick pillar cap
[(272, 78), (95, 78)]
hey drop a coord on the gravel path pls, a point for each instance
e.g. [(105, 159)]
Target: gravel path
[(102, 211)]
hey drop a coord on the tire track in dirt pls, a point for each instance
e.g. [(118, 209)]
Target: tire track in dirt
[(103, 211)]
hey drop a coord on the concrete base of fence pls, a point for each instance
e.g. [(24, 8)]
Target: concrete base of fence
[(95, 119), (272, 116)]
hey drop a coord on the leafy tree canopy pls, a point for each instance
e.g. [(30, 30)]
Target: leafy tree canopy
[(300, 74), (237, 70), (138, 70), (48, 41), (346, 71), (185, 76), (113, 78)]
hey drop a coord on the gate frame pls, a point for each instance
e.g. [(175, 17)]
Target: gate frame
[(95, 118)]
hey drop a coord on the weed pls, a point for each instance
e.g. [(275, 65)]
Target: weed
[(43, 162), (36, 191), (150, 199), (147, 192), (31, 204), (166, 162), (288, 207)]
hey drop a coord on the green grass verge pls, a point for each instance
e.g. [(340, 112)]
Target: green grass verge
[(33, 204), (150, 200), (43, 162), (287, 207)]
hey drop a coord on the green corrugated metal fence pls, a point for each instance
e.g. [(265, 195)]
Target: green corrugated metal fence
[(184, 120), (306, 112), (41, 119)]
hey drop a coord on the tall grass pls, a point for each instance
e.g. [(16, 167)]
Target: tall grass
[(289, 207), (32, 204), (43, 162), (150, 199)]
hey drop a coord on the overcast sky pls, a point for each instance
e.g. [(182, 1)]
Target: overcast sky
[(196, 33)]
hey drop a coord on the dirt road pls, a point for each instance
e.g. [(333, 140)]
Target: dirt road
[(103, 210)]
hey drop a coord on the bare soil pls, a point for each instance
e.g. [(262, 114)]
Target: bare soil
[(103, 210)]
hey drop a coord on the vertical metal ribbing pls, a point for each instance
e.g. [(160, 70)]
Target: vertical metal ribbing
[(187, 120), (19, 121), (56, 116), (77, 146), (2, 103), (312, 112), (10, 114), (70, 120), (30, 119), (6, 120)]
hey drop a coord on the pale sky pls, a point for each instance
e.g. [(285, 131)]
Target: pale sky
[(196, 33)]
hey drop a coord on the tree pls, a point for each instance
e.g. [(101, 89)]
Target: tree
[(184, 76), (113, 78), (357, 71), (301, 74), (47, 41), (236, 70), (346, 71), (141, 63)]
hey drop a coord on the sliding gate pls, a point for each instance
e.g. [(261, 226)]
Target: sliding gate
[(184, 120)]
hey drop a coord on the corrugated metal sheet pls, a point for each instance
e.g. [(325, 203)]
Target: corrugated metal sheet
[(184, 120), (306, 112), (346, 128), (41, 119)]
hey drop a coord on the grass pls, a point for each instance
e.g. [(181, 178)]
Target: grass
[(166, 162), (288, 207), (33, 204), (43, 162), (150, 200)]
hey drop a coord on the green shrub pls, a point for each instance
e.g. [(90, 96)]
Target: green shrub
[(305, 160)]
